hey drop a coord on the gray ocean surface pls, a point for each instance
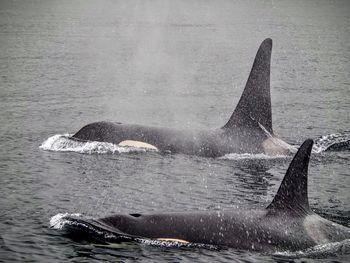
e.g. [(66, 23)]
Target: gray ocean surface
[(180, 64)]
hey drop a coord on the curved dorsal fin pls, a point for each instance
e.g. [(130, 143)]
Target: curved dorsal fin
[(255, 102), (292, 193)]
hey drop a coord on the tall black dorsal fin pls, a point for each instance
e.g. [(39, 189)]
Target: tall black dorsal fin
[(292, 194), (255, 102)]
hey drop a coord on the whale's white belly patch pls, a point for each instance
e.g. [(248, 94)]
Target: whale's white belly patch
[(137, 144)]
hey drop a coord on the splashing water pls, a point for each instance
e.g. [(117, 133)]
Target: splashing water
[(58, 221), (332, 142), (245, 156), (319, 251), (170, 244), (63, 143)]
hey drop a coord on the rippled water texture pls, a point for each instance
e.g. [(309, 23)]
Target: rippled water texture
[(179, 64)]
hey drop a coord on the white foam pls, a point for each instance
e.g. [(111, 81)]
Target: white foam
[(324, 142), (317, 251), (58, 221), (171, 243), (244, 156), (63, 143)]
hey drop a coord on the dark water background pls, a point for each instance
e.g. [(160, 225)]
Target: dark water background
[(178, 64)]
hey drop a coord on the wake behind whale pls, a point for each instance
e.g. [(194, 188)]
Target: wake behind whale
[(64, 143)]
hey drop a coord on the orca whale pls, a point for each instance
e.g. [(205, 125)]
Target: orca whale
[(287, 223), (249, 129)]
